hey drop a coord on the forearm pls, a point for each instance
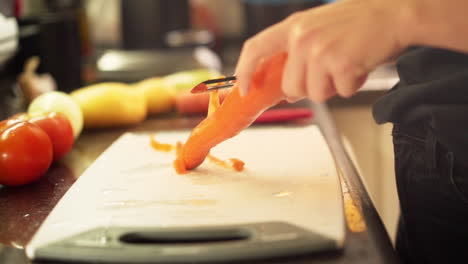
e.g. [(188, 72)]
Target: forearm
[(437, 23)]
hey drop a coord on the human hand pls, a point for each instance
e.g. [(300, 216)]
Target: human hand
[(331, 49)]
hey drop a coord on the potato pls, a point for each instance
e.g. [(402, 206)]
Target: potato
[(110, 104), (159, 97)]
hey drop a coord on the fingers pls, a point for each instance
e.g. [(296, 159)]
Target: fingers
[(293, 81), (325, 56), (348, 75), (320, 86), (333, 68), (294, 73), (267, 42), (348, 84)]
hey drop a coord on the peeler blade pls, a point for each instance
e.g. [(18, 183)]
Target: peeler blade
[(213, 84)]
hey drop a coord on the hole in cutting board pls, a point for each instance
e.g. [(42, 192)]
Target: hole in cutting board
[(186, 237)]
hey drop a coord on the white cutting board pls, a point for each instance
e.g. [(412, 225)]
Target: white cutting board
[(290, 176)]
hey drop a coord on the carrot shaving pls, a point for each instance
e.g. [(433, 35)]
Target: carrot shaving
[(214, 102), (160, 146), (178, 164), (234, 164), (237, 164)]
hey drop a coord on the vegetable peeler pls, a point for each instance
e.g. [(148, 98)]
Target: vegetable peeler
[(269, 116), (214, 84)]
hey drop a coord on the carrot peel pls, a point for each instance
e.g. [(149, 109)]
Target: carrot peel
[(178, 164), (160, 146), (237, 164), (214, 102)]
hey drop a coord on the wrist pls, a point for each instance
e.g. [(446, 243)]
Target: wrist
[(422, 22), (409, 20)]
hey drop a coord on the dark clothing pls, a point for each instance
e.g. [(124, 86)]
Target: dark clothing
[(429, 109), (433, 87), (433, 190)]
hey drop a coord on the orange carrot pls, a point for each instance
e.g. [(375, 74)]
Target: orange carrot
[(235, 113)]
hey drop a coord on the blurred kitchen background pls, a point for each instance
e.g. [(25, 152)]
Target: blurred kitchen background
[(73, 43)]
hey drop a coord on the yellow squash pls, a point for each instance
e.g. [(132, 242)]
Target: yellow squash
[(160, 98), (110, 104)]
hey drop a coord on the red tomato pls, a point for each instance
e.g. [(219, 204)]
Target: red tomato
[(60, 132), (25, 153), (13, 119)]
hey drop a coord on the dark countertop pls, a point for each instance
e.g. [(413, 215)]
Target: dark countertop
[(23, 209)]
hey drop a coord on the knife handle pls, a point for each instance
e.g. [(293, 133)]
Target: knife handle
[(284, 114)]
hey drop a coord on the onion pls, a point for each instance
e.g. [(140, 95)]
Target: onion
[(56, 101)]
